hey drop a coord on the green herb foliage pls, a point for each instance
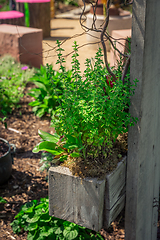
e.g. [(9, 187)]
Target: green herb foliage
[(94, 106), (56, 149), (48, 92), (35, 219), (93, 111), (12, 83), (2, 200)]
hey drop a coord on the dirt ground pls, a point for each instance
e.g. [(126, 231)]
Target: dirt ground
[(27, 182)]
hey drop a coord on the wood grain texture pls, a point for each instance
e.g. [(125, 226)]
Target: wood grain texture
[(114, 199), (39, 16), (143, 165), (89, 202), (76, 200)]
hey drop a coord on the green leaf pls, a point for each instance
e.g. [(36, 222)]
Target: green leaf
[(32, 226), (75, 154), (30, 210), (31, 235), (69, 146), (63, 158), (2, 200), (40, 85), (58, 231), (49, 137), (15, 226), (34, 219), (48, 147), (45, 217), (40, 112), (69, 235)]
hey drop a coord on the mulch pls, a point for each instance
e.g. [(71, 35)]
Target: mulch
[(27, 182)]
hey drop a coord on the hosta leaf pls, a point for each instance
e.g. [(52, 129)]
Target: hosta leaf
[(49, 137)]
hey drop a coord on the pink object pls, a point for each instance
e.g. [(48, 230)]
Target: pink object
[(33, 1), (11, 14)]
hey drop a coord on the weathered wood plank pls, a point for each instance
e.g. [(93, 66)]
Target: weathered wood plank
[(76, 200), (114, 199), (142, 190), (88, 202)]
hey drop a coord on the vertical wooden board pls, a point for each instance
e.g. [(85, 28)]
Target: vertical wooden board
[(142, 190), (111, 214), (76, 200), (114, 200)]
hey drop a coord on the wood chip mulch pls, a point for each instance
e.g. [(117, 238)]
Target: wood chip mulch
[(27, 182)]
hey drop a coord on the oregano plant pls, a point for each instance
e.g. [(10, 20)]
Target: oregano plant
[(92, 113), (94, 105)]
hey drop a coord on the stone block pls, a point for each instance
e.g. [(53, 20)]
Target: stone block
[(119, 38), (22, 43)]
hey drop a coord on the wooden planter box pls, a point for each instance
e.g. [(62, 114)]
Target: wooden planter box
[(88, 202)]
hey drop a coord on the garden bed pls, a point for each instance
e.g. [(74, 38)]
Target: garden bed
[(27, 182)]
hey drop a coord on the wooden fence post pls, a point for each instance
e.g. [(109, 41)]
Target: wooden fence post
[(142, 196)]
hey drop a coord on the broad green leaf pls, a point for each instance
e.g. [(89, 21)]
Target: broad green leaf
[(2, 200), (45, 217), (49, 137), (49, 147), (40, 112), (32, 226), (34, 219), (69, 146), (31, 235), (40, 85), (71, 139), (75, 154), (58, 231), (36, 149), (29, 210), (69, 235), (34, 103)]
